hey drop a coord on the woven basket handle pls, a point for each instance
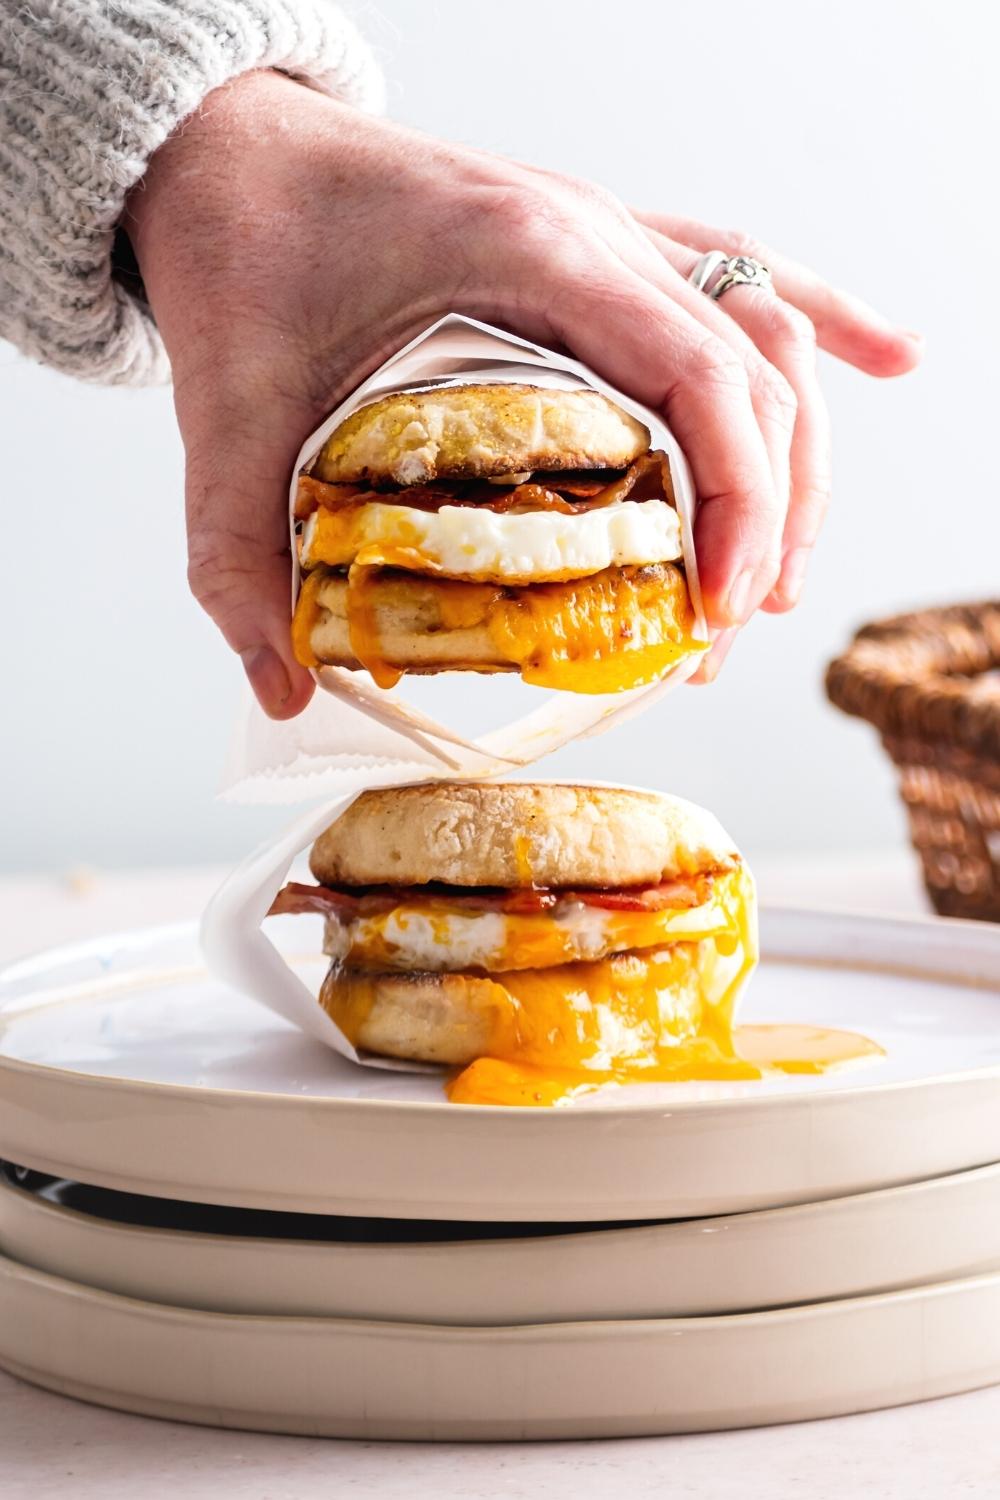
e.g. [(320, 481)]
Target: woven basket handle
[(916, 675)]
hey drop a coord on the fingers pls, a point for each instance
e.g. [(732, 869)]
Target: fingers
[(647, 344), (773, 399), (787, 341), (845, 326), (774, 393), (239, 570), (617, 232)]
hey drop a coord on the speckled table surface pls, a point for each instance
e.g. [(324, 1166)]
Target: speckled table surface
[(50, 1446), (936, 1451)]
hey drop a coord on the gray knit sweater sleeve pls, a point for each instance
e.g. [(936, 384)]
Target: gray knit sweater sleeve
[(88, 90)]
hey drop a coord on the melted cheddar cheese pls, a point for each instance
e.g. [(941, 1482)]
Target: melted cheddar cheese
[(363, 627), (304, 618), (615, 631), (619, 629), (757, 1050), (795, 1048)]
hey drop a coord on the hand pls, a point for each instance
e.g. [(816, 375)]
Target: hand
[(289, 244)]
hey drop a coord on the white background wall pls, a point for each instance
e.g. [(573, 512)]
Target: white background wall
[(860, 137)]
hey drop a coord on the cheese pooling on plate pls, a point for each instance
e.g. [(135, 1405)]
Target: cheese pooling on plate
[(572, 575)]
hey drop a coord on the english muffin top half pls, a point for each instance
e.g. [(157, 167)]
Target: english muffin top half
[(512, 834), (478, 432)]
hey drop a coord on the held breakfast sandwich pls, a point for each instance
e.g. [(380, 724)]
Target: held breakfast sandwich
[(493, 528), (542, 938)]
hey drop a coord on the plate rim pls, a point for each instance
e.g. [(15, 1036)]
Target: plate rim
[(981, 934), (505, 1333), (812, 1208), (435, 1403)]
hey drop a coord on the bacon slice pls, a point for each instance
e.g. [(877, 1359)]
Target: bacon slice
[(670, 895), (295, 899), (648, 478), (347, 905)]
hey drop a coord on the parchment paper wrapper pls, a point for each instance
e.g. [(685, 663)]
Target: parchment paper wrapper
[(353, 724), (238, 952)]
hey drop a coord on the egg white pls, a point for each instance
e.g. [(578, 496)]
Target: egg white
[(526, 546), (459, 940)]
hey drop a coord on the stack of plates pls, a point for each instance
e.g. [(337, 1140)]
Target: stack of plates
[(270, 1237)]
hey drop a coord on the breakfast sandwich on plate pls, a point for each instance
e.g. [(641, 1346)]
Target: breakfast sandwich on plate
[(539, 938)]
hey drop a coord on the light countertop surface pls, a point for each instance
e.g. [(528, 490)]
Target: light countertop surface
[(51, 1446)]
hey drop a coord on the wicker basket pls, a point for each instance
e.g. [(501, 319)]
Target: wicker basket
[(929, 683)]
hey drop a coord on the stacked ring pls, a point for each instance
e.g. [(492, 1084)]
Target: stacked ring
[(716, 272)]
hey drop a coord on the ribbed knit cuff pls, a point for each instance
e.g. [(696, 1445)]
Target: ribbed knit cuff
[(88, 90)]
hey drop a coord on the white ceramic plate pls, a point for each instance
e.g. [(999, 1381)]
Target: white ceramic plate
[(304, 1265), (357, 1379), (122, 1064)]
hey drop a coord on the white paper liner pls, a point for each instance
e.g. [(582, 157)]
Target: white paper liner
[(241, 954), (354, 724)]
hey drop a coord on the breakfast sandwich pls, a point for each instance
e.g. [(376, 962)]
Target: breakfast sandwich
[(538, 938), (493, 528)]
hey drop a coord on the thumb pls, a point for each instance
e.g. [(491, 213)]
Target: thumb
[(239, 570)]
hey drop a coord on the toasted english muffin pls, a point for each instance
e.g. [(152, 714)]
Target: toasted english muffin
[(424, 624), (478, 431), (422, 1017), (405, 609), (455, 1018), (512, 834)]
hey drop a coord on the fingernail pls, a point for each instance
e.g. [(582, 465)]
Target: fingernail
[(793, 574), (738, 598), (268, 676), (912, 335)]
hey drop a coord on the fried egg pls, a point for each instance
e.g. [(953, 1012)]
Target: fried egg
[(467, 541), (431, 935)]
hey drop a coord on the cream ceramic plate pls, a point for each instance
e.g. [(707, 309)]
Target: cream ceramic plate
[(122, 1064), (357, 1379), (241, 1261)]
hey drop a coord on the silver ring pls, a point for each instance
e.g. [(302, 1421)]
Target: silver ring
[(705, 268), (741, 270)]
